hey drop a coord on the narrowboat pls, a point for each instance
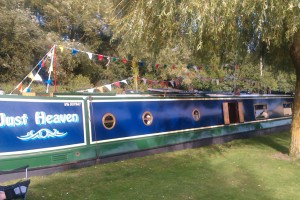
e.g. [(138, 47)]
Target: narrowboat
[(61, 129)]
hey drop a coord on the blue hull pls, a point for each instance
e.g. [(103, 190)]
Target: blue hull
[(43, 132)]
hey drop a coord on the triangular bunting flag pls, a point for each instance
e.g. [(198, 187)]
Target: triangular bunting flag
[(141, 63), (108, 58), (100, 57), (74, 51), (50, 54), (100, 89), (117, 84), (50, 68), (20, 87), (61, 48), (43, 63), (144, 81), (37, 77), (91, 90), (124, 81), (40, 64), (27, 89), (108, 87), (48, 82), (124, 61), (90, 55), (172, 83), (30, 75)]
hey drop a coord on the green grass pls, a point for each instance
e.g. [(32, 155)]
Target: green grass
[(256, 168)]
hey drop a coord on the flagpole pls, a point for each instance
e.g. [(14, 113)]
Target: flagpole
[(54, 69), (135, 74)]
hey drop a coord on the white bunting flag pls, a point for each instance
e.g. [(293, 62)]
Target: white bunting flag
[(90, 55), (108, 87), (172, 83), (91, 90), (124, 81)]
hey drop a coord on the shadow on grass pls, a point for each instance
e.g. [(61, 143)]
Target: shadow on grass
[(279, 141), (212, 172)]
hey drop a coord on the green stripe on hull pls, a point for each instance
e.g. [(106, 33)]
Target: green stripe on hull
[(54, 158), (138, 144)]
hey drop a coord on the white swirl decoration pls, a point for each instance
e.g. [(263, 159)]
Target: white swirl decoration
[(42, 134)]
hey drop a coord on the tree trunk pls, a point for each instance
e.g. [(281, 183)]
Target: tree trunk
[(294, 150)]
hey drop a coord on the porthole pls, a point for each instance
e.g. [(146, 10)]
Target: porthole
[(108, 121), (147, 118), (196, 114)]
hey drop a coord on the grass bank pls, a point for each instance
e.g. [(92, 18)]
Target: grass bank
[(256, 168)]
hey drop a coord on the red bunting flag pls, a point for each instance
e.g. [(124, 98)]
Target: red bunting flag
[(117, 84), (162, 83), (20, 87), (100, 57), (156, 66), (124, 60), (173, 67), (43, 63)]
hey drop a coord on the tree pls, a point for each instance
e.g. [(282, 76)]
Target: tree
[(268, 29), (21, 41)]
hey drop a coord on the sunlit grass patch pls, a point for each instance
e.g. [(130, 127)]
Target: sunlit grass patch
[(254, 168)]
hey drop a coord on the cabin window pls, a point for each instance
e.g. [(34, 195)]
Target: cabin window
[(261, 111), (108, 121), (147, 118), (233, 112), (287, 109), (196, 114)]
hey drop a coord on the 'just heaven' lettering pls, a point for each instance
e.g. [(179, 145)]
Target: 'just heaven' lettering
[(41, 118)]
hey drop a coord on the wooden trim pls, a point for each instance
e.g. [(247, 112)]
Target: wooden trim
[(226, 113), (241, 113)]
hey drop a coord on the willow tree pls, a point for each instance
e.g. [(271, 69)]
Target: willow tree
[(220, 26)]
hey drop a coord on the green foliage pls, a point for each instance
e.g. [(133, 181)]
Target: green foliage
[(180, 33), (78, 20), (21, 43), (79, 82)]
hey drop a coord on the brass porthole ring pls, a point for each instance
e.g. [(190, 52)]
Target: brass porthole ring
[(196, 114), (109, 121), (147, 118)]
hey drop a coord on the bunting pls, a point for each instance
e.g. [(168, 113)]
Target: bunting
[(35, 77), (51, 54), (142, 64), (108, 87), (90, 55)]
